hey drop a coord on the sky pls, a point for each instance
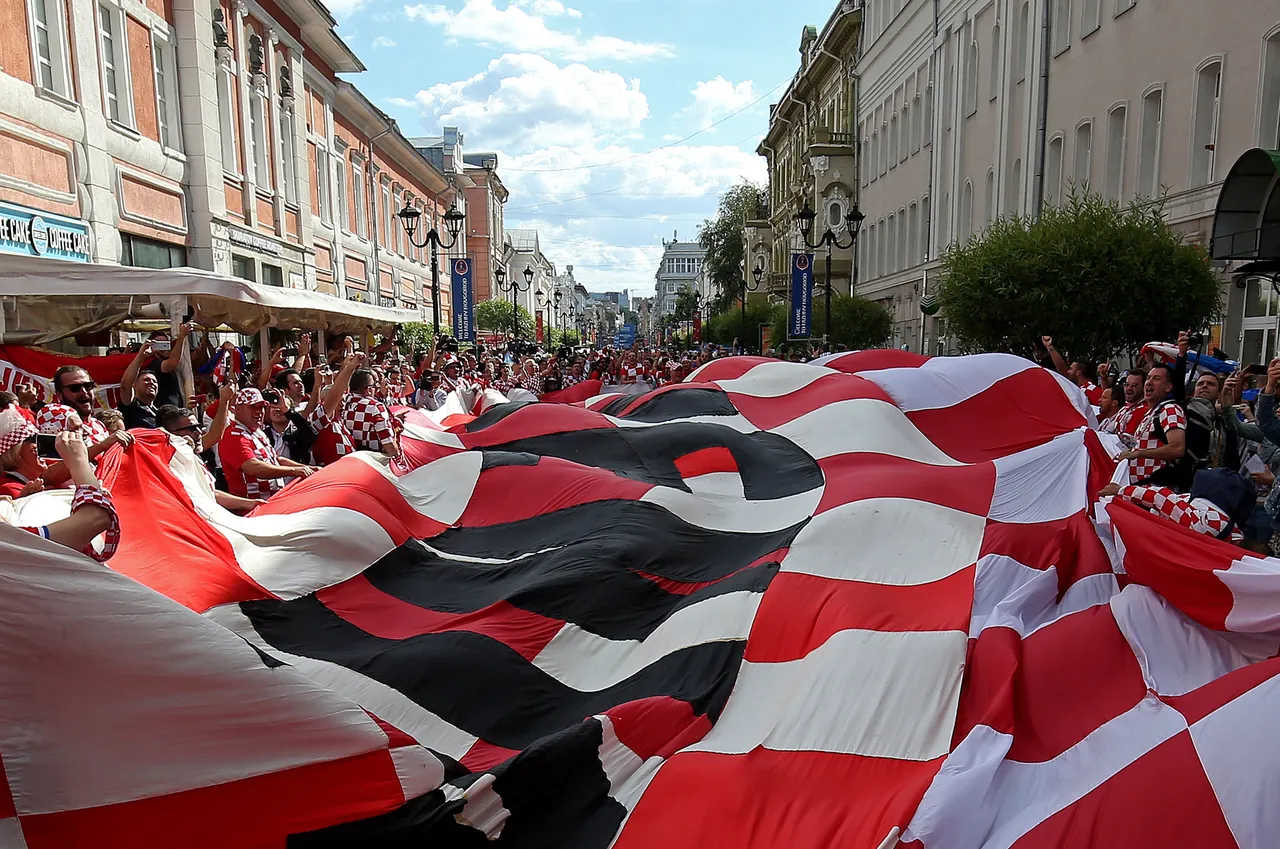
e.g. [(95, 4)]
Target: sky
[(618, 123)]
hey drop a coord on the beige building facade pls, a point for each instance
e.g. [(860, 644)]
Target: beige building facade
[(811, 153), (974, 109)]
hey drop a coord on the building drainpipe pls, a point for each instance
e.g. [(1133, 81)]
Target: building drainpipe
[(933, 195), (373, 217), (1042, 123)]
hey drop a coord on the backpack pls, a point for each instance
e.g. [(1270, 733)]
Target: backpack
[(1206, 435), (1232, 492)]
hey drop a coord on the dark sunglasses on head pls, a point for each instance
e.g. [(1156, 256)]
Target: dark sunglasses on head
[(87, 386)]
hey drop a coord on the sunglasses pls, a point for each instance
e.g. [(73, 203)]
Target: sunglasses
[(194, 428), (87, 386)]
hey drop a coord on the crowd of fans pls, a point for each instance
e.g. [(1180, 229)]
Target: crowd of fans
[(1204, 453), (258, 425)]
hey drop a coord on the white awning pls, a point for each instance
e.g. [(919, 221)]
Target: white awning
[(48, 299)]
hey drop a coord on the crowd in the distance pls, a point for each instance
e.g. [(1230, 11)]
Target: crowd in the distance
[(1198, 448), (256, 425)]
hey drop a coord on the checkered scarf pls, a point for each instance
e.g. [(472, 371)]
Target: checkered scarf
[(93, 496)]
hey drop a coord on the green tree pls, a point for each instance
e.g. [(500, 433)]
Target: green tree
[(726, 326), (723, 240), (686, 304), (856, 323), (1097, 277), (495, 317)]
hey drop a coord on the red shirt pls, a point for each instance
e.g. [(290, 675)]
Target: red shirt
[(239, 445), (333, 442)]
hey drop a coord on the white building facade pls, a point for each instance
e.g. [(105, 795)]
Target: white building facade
[(679, 268), (974, 109)]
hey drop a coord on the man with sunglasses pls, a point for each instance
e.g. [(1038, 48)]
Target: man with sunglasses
[(72, 409)]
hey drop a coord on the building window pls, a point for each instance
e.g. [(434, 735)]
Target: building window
[(874, 153), (289, 156), (915, 124), (1083, 156), (924, 228), (1020, 36), (893, 142), (242, 267), (913, 227), (1204, 123), (113, 44), (258, 138), (993, 84), (149, 253), (340, 191), (1149, 141), (890, 239), (1053, 172), (1117, 129), (1123, 6), (966, 211), (1013, 190), (273, 275), (971, 80), (358, 199), (901, 241), (49, 46), (396, 200), (904, 137), (226, 118), (1269, 135), (166, 68), (1061, 25), (322, 177), (926, 136), (989, 201), (884, 148), (1090, 16)]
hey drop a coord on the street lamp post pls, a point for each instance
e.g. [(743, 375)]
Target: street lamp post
[(571, 319), (545, 301), (453, 220), (515, 289), (853, 220), (757, 274)]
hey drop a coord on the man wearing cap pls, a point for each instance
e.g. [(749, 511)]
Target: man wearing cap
[(452, 380), (72, 409), (252, 467)]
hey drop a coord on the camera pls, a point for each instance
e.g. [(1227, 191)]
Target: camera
[(447, 344), (1194, 340)]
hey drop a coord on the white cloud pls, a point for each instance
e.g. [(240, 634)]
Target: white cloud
[(523, 102), (515, 26), (343, 9), (383, 41), (402, 102), (575, 157), (713, 99)]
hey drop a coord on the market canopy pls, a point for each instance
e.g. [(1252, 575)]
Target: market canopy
[(1246, 223), (48, 299)]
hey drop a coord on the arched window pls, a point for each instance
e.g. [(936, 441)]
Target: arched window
[(989, 205), (1149, 133), (890, 237), (1269, 126), (900, 244), (1013, 189), (993, 84), (925, 223), (1053, 172), (1083, 156), (913, 225), (1117, 132), (966, 212), (970, 101), (1061, 25), (1204, 122), (1020, 43)]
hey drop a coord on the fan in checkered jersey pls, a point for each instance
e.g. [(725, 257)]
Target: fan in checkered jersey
[(787, 605)]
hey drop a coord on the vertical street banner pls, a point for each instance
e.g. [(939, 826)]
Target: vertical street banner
[(800, 324), (464, 313), (537, 320)]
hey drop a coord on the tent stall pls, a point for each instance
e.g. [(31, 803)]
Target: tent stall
[(44, 300)]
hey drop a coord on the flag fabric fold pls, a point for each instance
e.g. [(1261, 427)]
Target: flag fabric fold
[(863, 602)]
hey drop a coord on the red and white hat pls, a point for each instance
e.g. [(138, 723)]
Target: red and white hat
[(14, 429), (55, 418), (250, 397)]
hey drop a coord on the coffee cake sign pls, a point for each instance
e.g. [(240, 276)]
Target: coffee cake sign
[(31, 233)]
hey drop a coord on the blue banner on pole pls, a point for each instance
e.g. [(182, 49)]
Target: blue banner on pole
[(800, 325), (464, 313)]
